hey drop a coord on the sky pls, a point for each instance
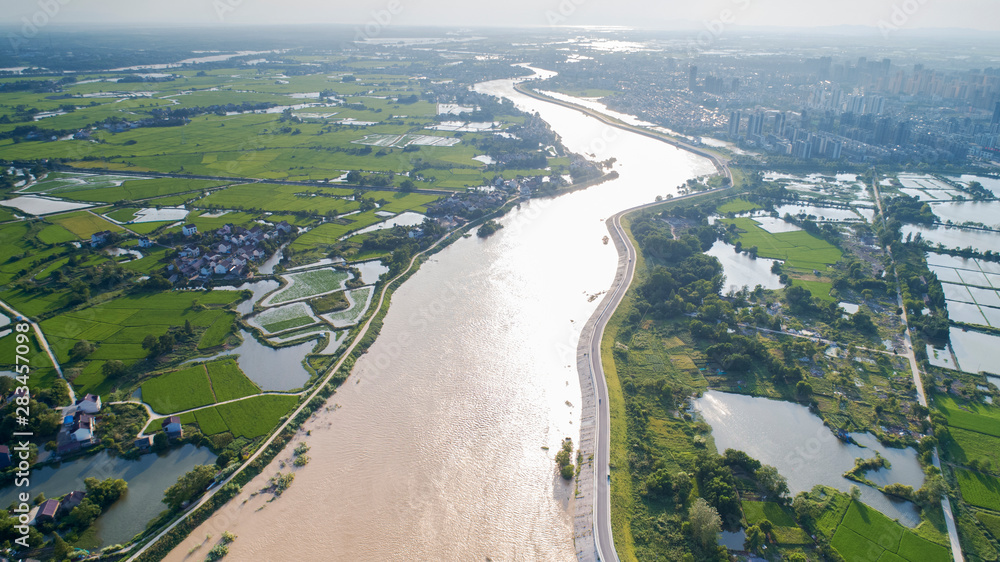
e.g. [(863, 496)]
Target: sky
[(645, 14)]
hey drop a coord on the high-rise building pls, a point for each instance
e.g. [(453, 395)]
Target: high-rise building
[(734, 124), (834, 149), (996, 113), (779, 124), (692, 77), (756, 125)]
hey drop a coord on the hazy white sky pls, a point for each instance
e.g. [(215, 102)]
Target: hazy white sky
[(974, 14)]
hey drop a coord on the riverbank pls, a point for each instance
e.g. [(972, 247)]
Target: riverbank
[(721, 164), (638, 350)]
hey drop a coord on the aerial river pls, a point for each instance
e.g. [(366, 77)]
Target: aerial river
[(435, 447)]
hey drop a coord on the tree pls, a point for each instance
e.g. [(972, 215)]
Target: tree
[(83, 515), (803, 390), (81, 349), (160, 442), (766, 526), (755, 538), (660, 485), (189, 485), (855, 492), (105, 492), (705, 522), (113, 369), (188, 329), (774, 484), (60, 550), (149, 342), (407, 185), (682, 487)]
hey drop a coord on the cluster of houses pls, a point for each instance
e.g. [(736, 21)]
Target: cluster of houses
[(467, 205), (227, 256), (50, 510), (79, 425)]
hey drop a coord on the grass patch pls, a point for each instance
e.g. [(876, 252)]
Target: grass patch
[(800, 250), (867, 535), (228, 381), (330, 303), (737, 206), (178, 390), (969, 415), (255, 416), (218, 330), (980, 490), (55, 234), (83, 224), (210, 421), (966, 446)]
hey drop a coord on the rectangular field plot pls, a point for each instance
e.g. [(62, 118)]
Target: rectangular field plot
[(255, 416), (309, 284), (282, 318), (178, 390), (980, 490), (965, 312), (969, 415)]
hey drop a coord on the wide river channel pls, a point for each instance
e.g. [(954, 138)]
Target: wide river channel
[(434, 448)]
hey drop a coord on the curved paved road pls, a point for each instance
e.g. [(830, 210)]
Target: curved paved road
[(591, 370)]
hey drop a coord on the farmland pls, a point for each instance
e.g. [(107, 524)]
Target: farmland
[(249, 418), (228, 381), (279, 319), (786, 530), (196, 386), (84, 223), (980, 490), (178, 390), (310, 284), (359, 299), (866, 535), (118, 327), (799, 249), (969, 416)]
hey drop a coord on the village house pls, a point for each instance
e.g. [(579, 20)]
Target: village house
[(189, 229), (82, 430), (144, 444), (98, 238), (172, 426), (90, 404), (69, 501), (47, 511), (145, 242)]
